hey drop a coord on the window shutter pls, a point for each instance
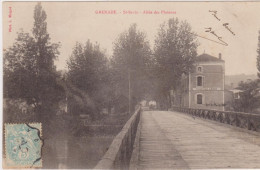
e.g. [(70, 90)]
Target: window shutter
[(199, 98), (199, 81)]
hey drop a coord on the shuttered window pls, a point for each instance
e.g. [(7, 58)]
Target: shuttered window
[(199, 99), (199, 81)]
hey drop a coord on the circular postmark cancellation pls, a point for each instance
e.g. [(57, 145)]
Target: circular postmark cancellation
[(23, 145)]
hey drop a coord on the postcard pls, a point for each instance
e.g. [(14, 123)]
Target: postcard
[(131, 85)]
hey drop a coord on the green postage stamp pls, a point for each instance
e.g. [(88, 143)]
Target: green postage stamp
[(23, 144)]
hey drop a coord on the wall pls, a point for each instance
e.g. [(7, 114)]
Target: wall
[(211, 99), (212, 88), (119, 152)]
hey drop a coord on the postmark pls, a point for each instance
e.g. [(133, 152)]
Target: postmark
[(23, 145)]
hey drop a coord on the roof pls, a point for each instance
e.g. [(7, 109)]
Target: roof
[(206, 58)]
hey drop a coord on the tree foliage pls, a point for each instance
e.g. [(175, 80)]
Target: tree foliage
[(29, 71), (130, 64), (88, 71), (249, 96), (175, 51)]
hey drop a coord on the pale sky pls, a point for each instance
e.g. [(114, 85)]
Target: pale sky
[(69, 22)]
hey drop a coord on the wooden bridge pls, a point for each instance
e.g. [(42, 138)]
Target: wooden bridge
[(186, 139)]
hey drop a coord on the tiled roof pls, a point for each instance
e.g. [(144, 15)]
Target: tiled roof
[(205, 58)]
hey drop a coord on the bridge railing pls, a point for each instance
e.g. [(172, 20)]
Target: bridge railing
[(119, 152), (248, 121)]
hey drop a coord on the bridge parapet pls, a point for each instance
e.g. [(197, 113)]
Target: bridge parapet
[(119, 152), (248, 121)]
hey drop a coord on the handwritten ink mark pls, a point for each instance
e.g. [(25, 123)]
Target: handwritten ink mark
[(222, 43), (228, 28), (215, 14), (209, 30), (225, 24)]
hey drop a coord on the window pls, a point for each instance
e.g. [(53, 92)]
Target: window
[(199, 98), (199, 69), (199, 81)]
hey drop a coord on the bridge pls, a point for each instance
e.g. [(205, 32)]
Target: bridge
[(185, 138)]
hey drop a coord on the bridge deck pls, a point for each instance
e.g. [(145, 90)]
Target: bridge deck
[(174, 140)]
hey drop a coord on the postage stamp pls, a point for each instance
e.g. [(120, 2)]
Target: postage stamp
[(23, 145)]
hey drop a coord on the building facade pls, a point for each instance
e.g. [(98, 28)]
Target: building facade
[(204, 87)]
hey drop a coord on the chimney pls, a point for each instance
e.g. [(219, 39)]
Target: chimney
[(220, 56)]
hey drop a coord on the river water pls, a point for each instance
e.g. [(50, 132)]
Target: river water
[(74, 152)]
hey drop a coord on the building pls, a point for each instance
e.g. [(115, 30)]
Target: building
[(204, 87)]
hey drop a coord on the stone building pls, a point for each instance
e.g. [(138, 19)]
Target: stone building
[(204, 87)]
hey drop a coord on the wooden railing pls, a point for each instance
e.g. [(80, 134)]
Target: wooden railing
[(248, 121), (119, 152)]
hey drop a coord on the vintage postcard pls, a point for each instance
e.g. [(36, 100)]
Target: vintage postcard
[(131, 85)]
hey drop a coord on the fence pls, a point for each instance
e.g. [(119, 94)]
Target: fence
[(248, 121), (119, 152)]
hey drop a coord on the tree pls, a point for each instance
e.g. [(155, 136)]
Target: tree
[(175, 51), (258, 56), (88, 71), (249, 96), (29, 71), (130, 64)]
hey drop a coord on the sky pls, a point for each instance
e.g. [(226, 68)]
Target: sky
[(71, 22)]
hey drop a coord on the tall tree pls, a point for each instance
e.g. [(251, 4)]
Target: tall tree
[(249, 96), (175, 51), (88, 71), (29, 71), (258, 56), (130, 62)]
